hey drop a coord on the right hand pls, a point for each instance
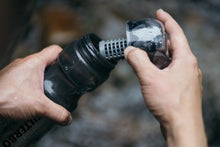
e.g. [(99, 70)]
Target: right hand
[(173, 94)]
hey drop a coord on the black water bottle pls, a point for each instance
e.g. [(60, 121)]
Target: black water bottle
[(79, 68)]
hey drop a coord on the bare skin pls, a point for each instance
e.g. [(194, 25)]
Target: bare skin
[(174, 94), (22, 92)]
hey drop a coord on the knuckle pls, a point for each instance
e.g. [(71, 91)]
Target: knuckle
[(193, 60), (134, 54), (30, 59), (200, 73), (34, 60), (18, 60)]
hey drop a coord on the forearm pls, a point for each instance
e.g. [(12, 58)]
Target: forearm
[(174, 94), (188, 132)]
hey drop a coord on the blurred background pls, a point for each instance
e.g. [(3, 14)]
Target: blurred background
[(115, 113)]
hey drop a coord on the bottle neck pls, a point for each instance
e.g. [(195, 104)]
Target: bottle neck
[(89, 48), (83, 65)]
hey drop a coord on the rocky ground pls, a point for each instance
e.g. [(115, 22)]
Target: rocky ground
[(115, 113)]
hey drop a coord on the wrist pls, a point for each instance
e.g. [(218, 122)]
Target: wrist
[(186, 130)]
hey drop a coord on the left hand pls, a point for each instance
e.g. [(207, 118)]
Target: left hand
[(22, 92)]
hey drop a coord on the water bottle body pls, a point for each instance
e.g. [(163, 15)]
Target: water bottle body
[(79, 69)]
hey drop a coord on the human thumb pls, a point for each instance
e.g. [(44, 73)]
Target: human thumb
[(55, 112), (139, 61), (49, 54)]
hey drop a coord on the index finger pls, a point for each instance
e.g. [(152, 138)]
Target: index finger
[(178, 41)]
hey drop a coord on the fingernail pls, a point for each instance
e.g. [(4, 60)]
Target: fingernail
[(128, 49), (160, 10), (68, 121)]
